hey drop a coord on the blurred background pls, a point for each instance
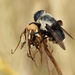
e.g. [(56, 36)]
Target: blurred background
[(14, 16)]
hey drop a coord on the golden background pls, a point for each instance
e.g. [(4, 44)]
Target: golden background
[(14, 16)]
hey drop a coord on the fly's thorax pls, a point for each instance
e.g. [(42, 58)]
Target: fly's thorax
[(43, 25), (49, 15)]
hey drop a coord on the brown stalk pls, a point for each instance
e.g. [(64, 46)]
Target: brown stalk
[(52, 59), (48, 65)]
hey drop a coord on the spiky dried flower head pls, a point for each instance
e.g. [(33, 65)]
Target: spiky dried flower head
[(31, 40)]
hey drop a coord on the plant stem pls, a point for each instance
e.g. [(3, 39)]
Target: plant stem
[(48, 65), (52, 59)]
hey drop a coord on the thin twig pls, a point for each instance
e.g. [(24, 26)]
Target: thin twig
[(12, 51), (52, 59), (48, 65)]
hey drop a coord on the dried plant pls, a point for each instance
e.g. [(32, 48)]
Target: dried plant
[(31, 40), (35, 40)]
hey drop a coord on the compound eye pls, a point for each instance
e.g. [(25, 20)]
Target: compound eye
[(37, 14)]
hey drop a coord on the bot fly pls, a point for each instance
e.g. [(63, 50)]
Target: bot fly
[(50, 27)]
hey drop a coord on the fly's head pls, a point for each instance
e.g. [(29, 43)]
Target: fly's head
[(38, 14)]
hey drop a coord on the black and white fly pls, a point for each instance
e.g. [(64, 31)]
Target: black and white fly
[(50, 27)]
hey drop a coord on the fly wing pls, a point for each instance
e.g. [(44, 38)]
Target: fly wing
[(58, 38), (67, 33), (57, 35)]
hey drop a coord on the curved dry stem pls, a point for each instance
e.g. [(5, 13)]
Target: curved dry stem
[(48, 65), (23, 44), (52, 59), (12, 51)]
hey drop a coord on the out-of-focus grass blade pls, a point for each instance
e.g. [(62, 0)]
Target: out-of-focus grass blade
[(5, 68)]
